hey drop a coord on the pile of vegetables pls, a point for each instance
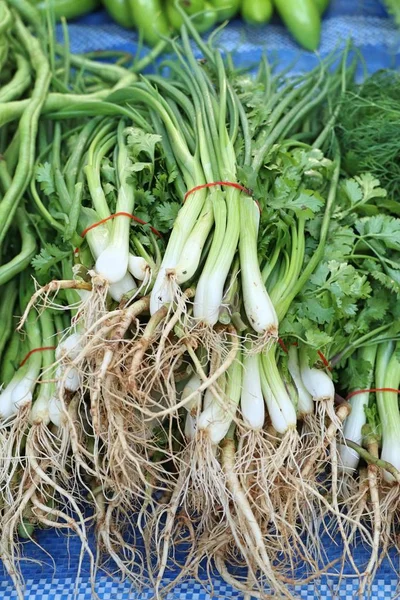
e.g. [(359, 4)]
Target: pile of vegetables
[(157, 18), (160, 17), (204, 367)]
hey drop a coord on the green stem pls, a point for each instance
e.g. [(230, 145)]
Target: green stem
[(319, 251), (150, 57), (357, 343), (373, 460)]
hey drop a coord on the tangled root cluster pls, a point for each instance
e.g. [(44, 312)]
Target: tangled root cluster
[(254, 507)]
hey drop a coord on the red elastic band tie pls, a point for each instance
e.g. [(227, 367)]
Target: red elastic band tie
[(118, 214), (372, 390), (36, 350), (282, 345), (324, 360), (322, 357), (237, 186)]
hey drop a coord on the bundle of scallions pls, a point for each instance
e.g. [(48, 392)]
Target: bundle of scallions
[(191, 286)]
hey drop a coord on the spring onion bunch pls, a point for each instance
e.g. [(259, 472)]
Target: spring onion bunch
[(209, 286)]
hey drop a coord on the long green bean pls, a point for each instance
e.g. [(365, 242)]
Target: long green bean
[(28, 126), (20, 81)]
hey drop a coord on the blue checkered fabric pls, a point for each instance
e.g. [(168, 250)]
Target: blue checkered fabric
[(51, 573), (365, 21), (65, 588)]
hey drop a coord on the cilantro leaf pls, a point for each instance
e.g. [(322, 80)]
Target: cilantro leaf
[(373, 419), (141, 166), (166, 215), (316, 311), (387, 281), (370, 187), (108, 171), (340, 242), (45, 176), (375, 308), (353, 191), (50, 255), (306, 202), (357, 374), (139, 141), (383, 228), (318, 339), (359, 190)]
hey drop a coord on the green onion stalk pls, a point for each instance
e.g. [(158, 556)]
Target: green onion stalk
[(353, 427), (387, 375), (18, 393), (224, 210), (76, 190)]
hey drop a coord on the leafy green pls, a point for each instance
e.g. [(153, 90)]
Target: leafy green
[(305, 203), (361, 189), (373, 419), (387, 281), (383, 228), (368, 127), (340, 243), (49, 257), (166, 213), (375, 309), (45, 176), (357, 374), (393, 8), (139, 141)]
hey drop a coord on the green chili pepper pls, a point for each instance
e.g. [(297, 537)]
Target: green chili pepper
[(70, 9), (226, 9), (257, 12), (192, 7), (322, 5), (120, 11), (207, 19), (203, 21), (303, 20), (173, 15), (150, 18)]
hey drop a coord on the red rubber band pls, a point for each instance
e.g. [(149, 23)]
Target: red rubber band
[(237, 186), (36, 350), (322, 357), (282, 345), (119, 214), (356, 392), (324, 360)]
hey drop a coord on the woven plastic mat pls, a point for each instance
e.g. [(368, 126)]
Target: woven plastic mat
[(365, 21), (50, 565)]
